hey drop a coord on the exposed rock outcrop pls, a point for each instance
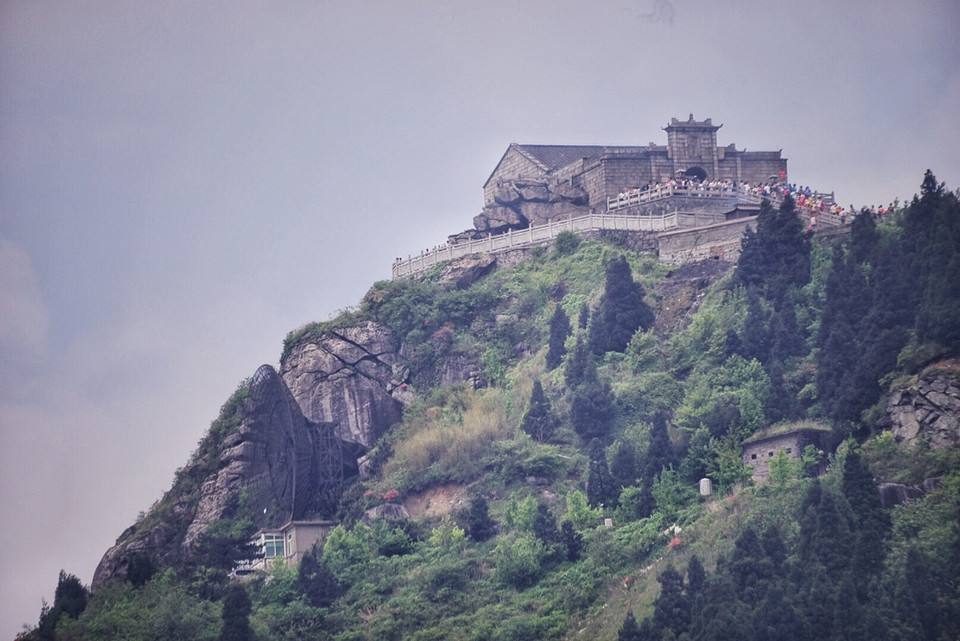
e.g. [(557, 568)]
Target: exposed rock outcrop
[(272, 466), (896, 493), (517, 204), (465, 271), (928, 409), (498, 219), (350, 376), (392, 512)]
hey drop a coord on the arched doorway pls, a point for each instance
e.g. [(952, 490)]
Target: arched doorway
[(696, 173)]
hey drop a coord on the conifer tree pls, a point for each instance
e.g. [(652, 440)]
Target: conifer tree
[(624, 466), (140, 569), (477, 522), (316, 581), (591, 408), (583, 319), (629, 630), (538, 421), (545, 525), (571, 540), (559, 330), (579, 365), (755, 342), (622, 310), (236, 615), (864, 237), (660, 451), (672, 609), (696, 575), (601, 488)]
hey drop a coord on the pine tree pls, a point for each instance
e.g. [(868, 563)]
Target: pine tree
[(559, 330), (775, 257), (315, 580), (538, 421), (660, 451), (579, 365), (864, 237), (477, 521), (236, 615), (591, 408), (622, 310), (69, 599), (601, 488), (583, 319), (755, 342), (629, 631), (696, 576), (624, 466), (571, 540), (545, 525), (672, 608)]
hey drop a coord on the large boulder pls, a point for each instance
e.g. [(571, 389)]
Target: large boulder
[(896, 493), (929, 408), (570, 193), (533, 192), (465, 271), (542, 212), (274, 462), (506, 194), (465, 236), (347, 376), (498, 219)]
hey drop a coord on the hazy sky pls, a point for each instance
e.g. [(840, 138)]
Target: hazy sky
[(181, 183)]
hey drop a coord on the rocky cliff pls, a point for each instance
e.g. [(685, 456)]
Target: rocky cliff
[(928, 409), (350, 376)]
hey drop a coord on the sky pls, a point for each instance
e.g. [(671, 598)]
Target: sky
[(182, 183)]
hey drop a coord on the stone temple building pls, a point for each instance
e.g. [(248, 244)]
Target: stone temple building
[(604, 171)]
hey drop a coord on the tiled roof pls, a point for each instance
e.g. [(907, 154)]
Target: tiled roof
[(556, 156)]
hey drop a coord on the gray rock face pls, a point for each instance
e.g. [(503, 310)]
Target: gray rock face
[(277, 463), (521, 202), (465, 271), (498, 219), (387, 512), (464, 236), (929, 409), (895, 493), (348, 376)]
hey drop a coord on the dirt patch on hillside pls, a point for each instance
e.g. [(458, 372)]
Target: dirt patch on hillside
[(679, 295), (437, 501)]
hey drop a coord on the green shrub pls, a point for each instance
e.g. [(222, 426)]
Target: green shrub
[(566, 243), (518, 559)]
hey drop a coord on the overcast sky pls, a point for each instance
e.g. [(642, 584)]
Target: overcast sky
[(182, 183)]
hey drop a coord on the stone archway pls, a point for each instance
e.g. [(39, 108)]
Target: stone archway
[(696, 173)]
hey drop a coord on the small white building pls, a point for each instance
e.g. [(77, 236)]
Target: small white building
[(288, 544)]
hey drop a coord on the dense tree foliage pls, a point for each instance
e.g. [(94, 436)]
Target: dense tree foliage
[(477, 522), (881, 292), (559, 330), (538, 421), (622, 310)]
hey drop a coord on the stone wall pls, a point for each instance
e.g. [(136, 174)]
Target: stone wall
[(757, 456), (720, 241), (514, 165)]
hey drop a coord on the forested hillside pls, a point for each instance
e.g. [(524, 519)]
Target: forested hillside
[(543, 480)]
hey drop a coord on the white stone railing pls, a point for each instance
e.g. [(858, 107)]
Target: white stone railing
[(533, 235), (639, 197)]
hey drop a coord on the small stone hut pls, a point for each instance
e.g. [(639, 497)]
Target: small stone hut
[(791, 438)]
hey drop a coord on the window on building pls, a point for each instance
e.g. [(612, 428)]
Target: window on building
[(272, 545), (789, 450), (753, 456), (770, 454)]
